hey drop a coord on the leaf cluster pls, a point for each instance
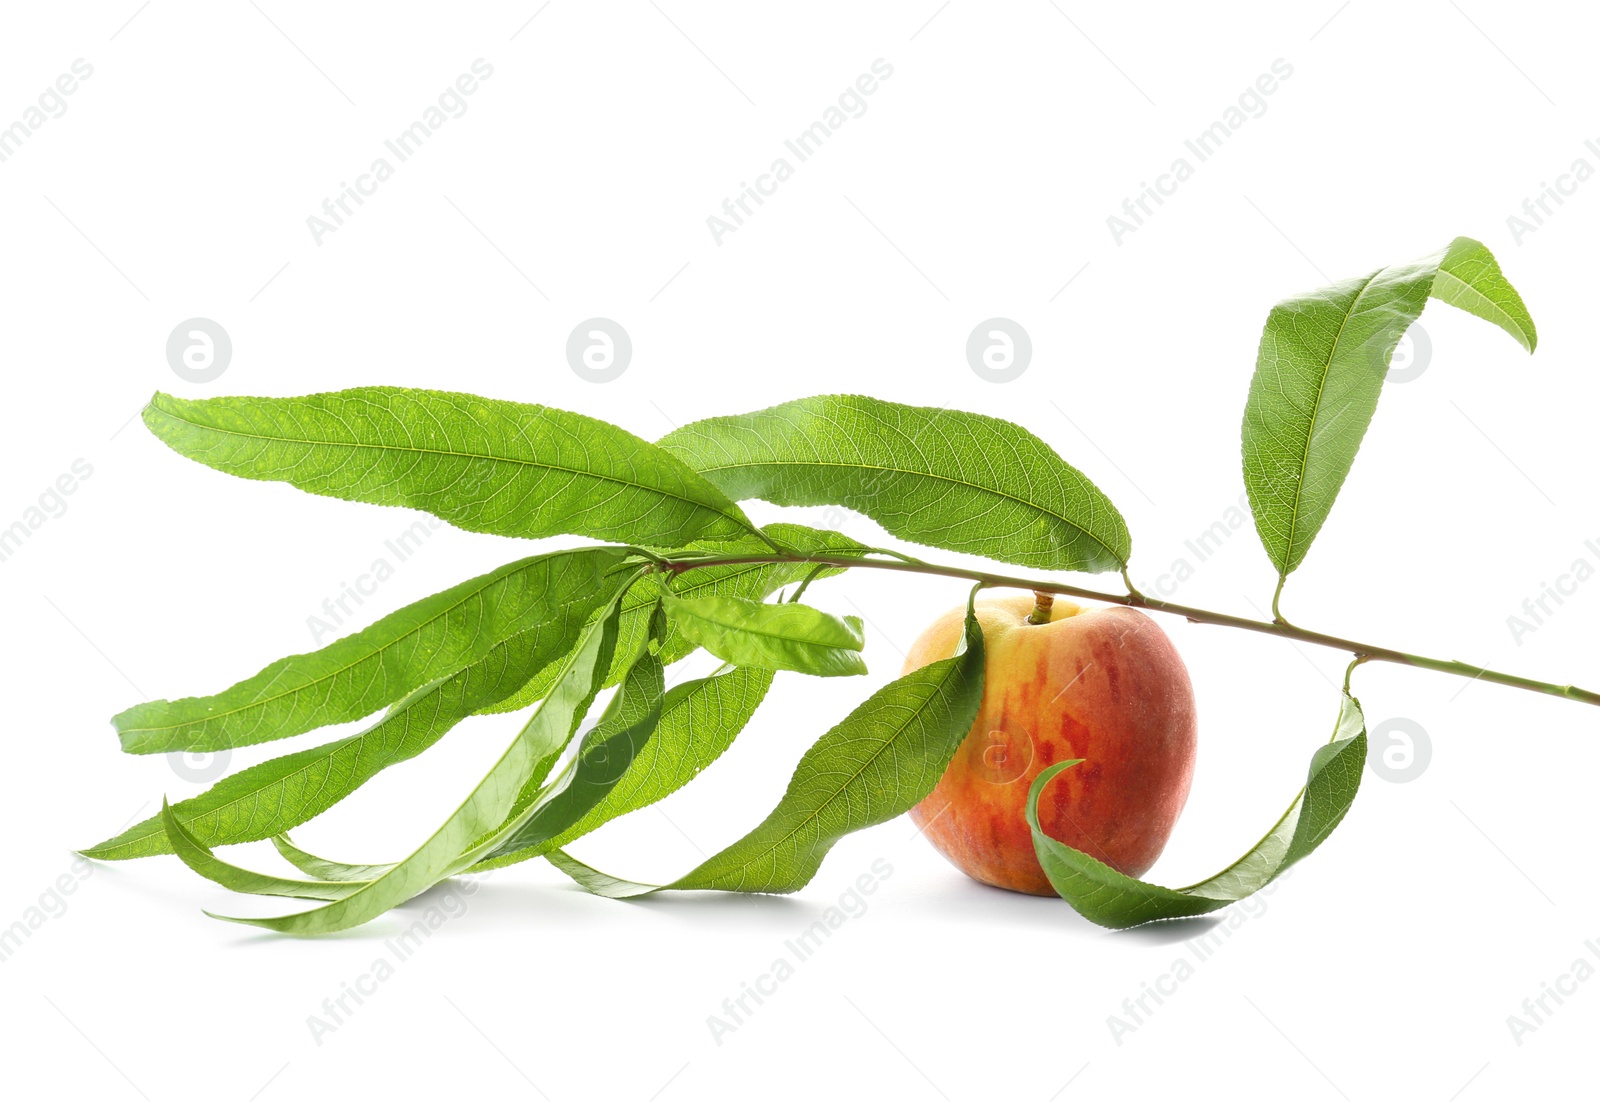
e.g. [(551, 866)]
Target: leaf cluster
[(681, 567)]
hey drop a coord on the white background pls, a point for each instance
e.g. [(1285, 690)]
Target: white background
[(977, 184)]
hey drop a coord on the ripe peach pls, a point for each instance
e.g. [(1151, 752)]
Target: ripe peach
[(1104, 685)]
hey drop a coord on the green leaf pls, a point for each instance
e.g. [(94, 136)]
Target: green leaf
[(361, 673), (200, 859), (624, 730), (591, 880), (874, 765), (1320, 370), (1470, 278), (750, 580), (451, 848), (949, 479), (324, 869), (772, 637), (482, 464), (533, 790), (273, 796), (700, 719), (1111, 899)]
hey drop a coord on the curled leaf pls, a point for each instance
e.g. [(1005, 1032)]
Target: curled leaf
[(1111, 899), (198, 857)]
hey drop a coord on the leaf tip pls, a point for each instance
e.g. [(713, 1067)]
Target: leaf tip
[(1046, 776), (160, 402), (107, 850)]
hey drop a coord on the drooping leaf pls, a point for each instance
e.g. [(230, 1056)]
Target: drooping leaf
[(482, 464), (756, 581), (1470, 278), (273, 796), (451, 848), (637, 703), (785, 636), (877, 763), (199, 858), (363, 672), (1320, 370), (700, 719), (604, 756), (325, 870), (593, 881), (1112, 899), (945, 478)]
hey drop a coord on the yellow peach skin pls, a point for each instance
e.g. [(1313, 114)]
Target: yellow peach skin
[(1104, 685)]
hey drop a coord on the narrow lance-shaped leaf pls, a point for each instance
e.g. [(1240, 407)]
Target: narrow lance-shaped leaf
[(874, 765), (447, 850), (534, 789), (700, 719), (945, 478), (785, 636), (361, 673), (749, 580), (322, 868), (605, 754), (482, 464), (199, 858), (273, 796), (1321, 368), (1112, 899), (626, 728)]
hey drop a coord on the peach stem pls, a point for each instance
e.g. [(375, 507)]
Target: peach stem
[(1041, 607)]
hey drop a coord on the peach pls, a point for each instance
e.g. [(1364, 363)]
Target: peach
[(1105, 685)]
